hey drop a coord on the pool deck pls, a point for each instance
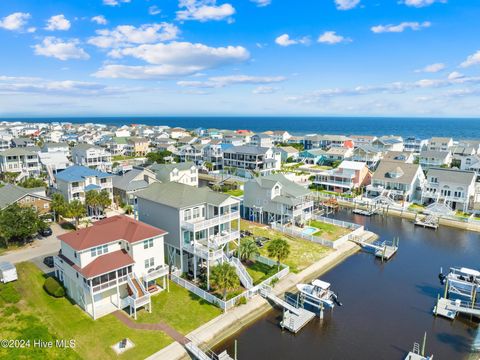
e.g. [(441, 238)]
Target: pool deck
[(227, 324)]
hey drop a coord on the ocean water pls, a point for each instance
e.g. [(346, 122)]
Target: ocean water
[(459, 128)]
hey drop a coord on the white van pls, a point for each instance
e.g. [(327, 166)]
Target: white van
[(8, 272)]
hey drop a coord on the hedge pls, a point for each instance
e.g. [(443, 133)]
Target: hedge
[(54, 288)]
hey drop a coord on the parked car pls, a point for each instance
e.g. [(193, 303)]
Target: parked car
[(48, 260), (99, 217), (46, 231)]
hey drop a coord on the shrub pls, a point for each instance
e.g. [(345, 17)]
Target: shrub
[(54, 288), (242, 301), (274, 281)]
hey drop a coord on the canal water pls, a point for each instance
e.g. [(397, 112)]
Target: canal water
[(386, 307)]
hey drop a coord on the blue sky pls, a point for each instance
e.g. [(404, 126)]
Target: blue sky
[(240, 57)]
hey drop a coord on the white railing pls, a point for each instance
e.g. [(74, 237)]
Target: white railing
[(297, 233), (196, 290), (132, 287), (109, 284), (344, 224), (156, 274), (220, 240), (243, 274), (204, 252), (207, 223), (141, 301)]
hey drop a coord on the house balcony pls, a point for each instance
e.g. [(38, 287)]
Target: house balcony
[(156, 273), (203, 224), (203, 251), (334, 183), (219, 240), (107, 285)]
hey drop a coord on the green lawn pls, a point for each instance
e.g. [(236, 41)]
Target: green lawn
[(303, 253), (236, 192), (180, 309), (462, 214), (328, 231), (122, 157), (260, 271), (416, 207), (44, 317)]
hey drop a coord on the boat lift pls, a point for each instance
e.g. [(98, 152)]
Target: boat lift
[(382, 249), (450, 308)]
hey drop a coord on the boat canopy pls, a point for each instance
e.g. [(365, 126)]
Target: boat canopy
[(321, 284), (470, 271)]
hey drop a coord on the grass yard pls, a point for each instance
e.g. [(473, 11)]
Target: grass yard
[(416, 207), (260, 271), (303, 253), (33, 314), (180, 309), (236, 192), (328, 231)]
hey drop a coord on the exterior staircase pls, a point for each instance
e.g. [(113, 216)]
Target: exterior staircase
[(242, 273), (139, 295)]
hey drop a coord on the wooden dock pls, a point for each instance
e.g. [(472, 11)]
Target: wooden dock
[(430, 221), (451, 308), (364, 212), (382, 250)]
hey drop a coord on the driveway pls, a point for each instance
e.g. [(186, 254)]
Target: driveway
[(42, 246)]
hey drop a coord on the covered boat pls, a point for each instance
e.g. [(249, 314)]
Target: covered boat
[(319, 292)]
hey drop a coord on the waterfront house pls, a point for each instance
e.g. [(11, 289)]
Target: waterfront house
[(429, 159), (112, 265), (252, 159), (347, 177), (274, 198), (414, 144), (126, 185), (261, 140), (183, 173), (397, 181), (452, 187), (280, 136), (288, 152), (312, 156), (34, 197), (326, 141), (367, 154), (92, 156), (76, 180), (202, 225), (20, 160), (401, 156), (388, 143), (137, 146), (440, 144)]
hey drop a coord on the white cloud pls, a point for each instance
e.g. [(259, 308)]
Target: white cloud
[(99, 19), (114, 2), (15, 21), (60, 49), (262, 3), (346, 4), (422, 3), (400, 27), (172, 59), (331, 37), (432, 68), (262, 90), (58, 22), (127, 35), (455, 75), (26, 85), (222, 81), (285, 40), (204, 10), (154, 10), (473, 59)]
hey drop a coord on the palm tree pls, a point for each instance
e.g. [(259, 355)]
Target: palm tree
[(92, 200), (76, 210), (279, 249), (247, 250), (59, 205), (224, 278), (104, 199)]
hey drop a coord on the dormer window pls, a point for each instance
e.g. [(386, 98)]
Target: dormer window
[(395, 173)]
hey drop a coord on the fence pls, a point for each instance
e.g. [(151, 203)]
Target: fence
[(248, 294), (356, 230)]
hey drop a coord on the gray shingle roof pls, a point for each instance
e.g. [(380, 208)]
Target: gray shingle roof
[(180, 195), (12, 193), (452, 175), (245, 149), (385, 170)]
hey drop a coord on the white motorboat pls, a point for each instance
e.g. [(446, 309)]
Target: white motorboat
[(319, 292), (464, 280)]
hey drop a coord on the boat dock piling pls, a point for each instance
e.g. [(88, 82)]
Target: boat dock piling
[(383, 250), (451, 308)]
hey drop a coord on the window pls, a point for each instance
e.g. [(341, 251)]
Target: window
[(187, 215), (75, 254), (196, 213), (148, 244), (149, 262), (99, 250)]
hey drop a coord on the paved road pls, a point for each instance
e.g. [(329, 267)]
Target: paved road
[(39, 248)]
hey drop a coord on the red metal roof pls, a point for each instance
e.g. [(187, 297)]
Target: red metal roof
[(114, 228), (105, 264)]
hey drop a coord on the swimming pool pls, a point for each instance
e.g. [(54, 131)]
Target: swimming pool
[(309, 230)]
